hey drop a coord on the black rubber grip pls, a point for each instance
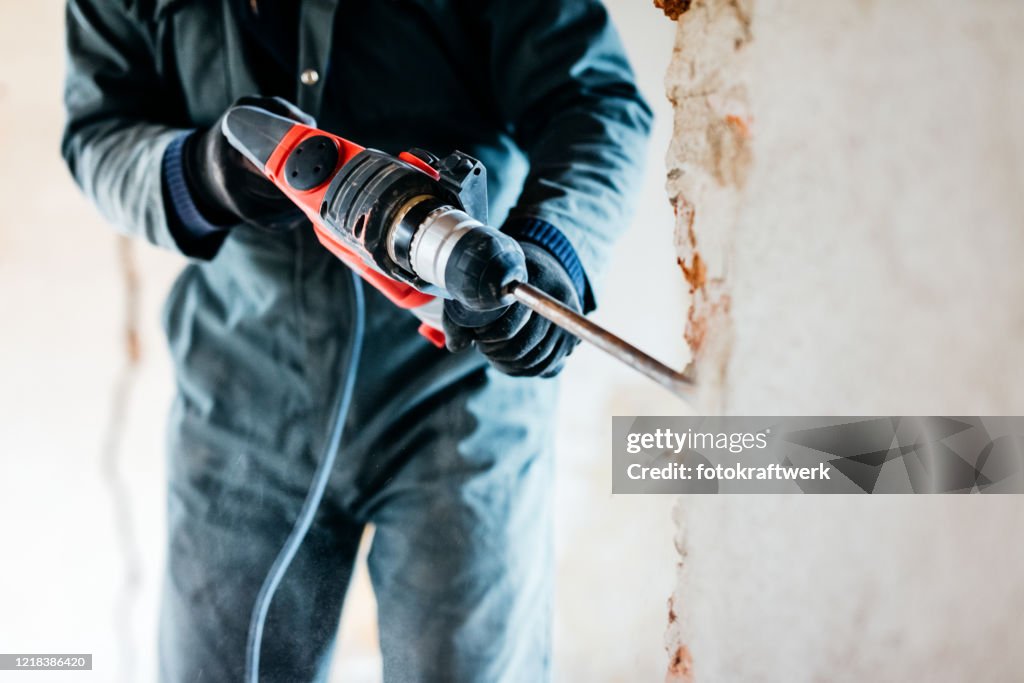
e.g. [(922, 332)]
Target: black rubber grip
[(484, 262), (255, 132)]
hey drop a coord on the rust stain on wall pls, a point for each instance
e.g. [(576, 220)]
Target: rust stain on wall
[(696, 274), (709, 162), (700, 327), (690, 261), (680, 668), (673, 9), (728, 139)]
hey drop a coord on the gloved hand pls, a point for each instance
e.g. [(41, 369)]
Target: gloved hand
[(521, 343), (226, 187)]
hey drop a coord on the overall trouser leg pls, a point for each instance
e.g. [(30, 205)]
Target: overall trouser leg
[(462, 561)]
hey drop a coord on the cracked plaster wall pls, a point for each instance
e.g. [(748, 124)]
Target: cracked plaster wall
[(847, 183)]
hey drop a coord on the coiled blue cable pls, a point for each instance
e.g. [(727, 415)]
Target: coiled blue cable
[(349, 365)]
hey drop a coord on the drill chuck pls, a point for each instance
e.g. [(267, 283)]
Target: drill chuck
[(414, 229), (443, 245)]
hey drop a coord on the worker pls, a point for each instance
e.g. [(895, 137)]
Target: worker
[(448, 455)]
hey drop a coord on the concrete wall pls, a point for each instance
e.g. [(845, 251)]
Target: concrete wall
[(82, 442), (847, 178)]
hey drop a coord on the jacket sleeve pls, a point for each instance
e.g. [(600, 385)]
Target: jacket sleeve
[(564, 85), (113, 139)]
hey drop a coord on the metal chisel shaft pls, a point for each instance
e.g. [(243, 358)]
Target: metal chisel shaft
[(569, 320)]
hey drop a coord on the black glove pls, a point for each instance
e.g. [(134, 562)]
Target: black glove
[(226, 187), (520, 342)]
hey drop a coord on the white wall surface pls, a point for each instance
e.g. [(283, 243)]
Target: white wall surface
[(867, 234), (65, 581)]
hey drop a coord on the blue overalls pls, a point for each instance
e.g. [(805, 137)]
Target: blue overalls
[(448, 459)]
